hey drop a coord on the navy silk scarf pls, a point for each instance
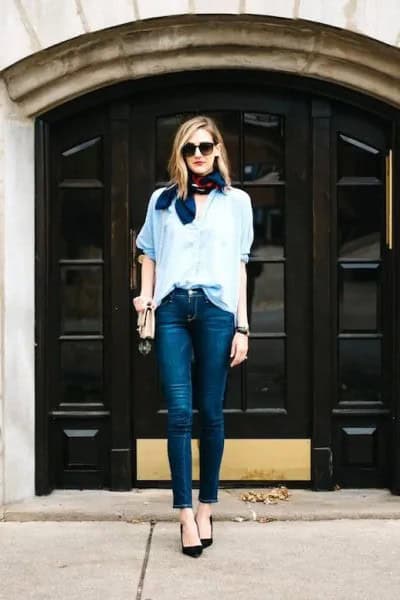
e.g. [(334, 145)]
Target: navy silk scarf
[(186, 209)]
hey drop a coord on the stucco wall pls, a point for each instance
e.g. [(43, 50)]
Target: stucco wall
[(17, 316), (2, 101), (27, 26)]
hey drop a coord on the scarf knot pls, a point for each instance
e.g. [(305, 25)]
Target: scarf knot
[(197, 184)]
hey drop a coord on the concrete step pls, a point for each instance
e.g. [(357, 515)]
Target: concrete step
[(144, 505)]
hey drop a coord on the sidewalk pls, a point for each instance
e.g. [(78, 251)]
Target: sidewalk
[(125, 545)]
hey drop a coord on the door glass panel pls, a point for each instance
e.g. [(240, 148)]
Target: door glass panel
[(360, 370), (81, 224), (269, 221), (81, 299), (358, 159), (358, 297), (263, 148), (360, 228), (81, 371), (360, 214), (228, 123), (83, 161), (266, 304), (266, 373), (165, 130)]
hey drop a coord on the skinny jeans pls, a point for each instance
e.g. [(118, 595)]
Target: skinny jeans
[(191, 327)]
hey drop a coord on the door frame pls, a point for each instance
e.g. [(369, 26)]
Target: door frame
[(123, 459), (321, 445), (395, 440)]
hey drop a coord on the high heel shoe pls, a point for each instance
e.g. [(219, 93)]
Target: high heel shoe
[(191, 550), (208, 541)]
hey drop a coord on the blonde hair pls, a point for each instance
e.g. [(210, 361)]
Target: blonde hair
[(177, 167)]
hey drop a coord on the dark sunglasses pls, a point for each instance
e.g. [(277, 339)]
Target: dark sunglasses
[(205, 148)]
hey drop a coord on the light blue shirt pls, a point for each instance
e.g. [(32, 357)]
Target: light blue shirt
[(205, 253)]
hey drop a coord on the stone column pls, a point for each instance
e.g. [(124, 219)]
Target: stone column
[(17, 306)]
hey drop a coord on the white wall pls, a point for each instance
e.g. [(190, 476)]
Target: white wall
[(27, 26), (17, 384), (2, 112)]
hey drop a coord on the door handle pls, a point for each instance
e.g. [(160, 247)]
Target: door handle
[(389, 199), (132, 255)]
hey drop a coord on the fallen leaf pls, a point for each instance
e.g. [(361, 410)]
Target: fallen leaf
[(269, 497)]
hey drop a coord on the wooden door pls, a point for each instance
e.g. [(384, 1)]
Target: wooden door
[(83, 342), (321, 378), (354, 344), (268, 140)]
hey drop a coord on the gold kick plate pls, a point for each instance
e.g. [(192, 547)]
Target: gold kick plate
[(389, 200), (244, 459)]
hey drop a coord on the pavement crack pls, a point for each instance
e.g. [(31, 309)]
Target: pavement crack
[(145, 561)]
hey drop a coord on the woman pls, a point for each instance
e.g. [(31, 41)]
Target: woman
[(196, 241)]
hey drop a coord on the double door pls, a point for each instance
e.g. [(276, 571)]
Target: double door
[(318, 382)]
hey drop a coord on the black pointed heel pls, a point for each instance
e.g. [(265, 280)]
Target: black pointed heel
[(208, 541), (191, 550)]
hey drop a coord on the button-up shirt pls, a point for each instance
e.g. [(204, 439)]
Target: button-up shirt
[(205, 253)]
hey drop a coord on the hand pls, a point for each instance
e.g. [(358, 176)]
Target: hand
[(240, 344), (140, 302)]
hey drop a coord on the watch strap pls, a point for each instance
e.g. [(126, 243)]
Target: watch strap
[(242, 329)]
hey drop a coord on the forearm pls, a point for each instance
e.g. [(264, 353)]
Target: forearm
[(242, 304), (148, 276)]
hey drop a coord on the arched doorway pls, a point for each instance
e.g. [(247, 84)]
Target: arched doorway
[(314, 404)]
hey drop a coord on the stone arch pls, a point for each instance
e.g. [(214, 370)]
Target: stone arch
[(174, 44)]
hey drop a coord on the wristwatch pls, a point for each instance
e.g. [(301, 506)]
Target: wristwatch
[(243, 329)]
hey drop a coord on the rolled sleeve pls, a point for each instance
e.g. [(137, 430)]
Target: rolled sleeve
[(145, 239), (247, 229)]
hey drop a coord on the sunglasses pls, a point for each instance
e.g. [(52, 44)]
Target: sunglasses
[(205, 148)]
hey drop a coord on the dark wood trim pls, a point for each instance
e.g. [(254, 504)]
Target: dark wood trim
[(395, 453), (121, 435), (269, 80), (298, 254), (388, 342), (143, 368), (42, 475), (321, 454)]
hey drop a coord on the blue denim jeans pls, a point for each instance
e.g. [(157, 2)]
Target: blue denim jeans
[(189, 324)]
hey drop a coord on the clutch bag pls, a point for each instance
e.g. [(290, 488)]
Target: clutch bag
[(146, 325)]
